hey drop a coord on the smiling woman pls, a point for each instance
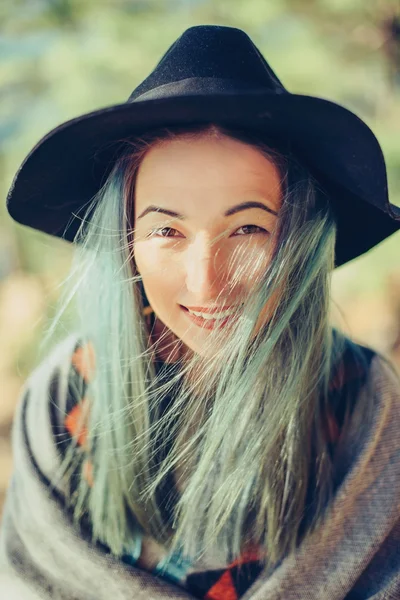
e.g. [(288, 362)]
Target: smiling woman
[(168, 440), (206, 424)]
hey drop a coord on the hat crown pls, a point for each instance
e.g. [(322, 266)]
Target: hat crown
[(204, 53)]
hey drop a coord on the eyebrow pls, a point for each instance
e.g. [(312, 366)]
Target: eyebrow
[(231, 211)]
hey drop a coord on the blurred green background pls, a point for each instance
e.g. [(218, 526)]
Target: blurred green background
[(62, 58)]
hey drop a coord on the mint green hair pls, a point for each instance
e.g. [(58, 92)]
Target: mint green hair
[(248, 425)]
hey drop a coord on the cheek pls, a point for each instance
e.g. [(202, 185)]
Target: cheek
[(145, 257), (150, 262), (251, 265), (161, 283)]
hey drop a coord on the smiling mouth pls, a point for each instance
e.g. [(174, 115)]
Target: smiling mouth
[(210, 322), (201, 309)]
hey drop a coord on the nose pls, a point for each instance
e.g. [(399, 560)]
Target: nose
[(204, 272)]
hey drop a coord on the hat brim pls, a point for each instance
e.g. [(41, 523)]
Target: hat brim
[(69, 165)]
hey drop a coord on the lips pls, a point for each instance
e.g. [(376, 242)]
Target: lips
[(208, 323), (208, 310)]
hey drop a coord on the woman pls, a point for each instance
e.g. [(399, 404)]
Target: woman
[(209, 433)]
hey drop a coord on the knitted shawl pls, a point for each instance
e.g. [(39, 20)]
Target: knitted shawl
[(354, 556)]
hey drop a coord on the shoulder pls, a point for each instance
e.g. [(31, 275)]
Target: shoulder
[(349, 376), (361, 375), (384, 373), (384, 387), (43, 404), (374, 421), (47, 379), (378, 381), (381, 384)]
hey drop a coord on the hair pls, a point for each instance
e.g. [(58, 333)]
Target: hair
[(248, 426)]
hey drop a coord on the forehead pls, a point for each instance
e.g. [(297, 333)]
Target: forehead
[(214, 165)]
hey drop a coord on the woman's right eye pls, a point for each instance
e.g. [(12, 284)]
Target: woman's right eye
[(159, 232)]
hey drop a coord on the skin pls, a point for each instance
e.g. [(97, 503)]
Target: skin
[(206, 259)]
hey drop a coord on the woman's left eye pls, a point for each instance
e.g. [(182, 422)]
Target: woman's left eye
[(260, 229)]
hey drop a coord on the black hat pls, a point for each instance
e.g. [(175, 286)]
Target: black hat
[(212, 74)]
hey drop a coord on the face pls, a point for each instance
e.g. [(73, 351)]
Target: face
[(205, 212)]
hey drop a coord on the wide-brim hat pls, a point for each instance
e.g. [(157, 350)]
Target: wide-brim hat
[(212, 74)]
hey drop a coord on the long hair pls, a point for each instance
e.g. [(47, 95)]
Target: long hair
[(246, 428)]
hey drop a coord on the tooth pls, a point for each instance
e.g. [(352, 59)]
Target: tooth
[(214, 316)]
